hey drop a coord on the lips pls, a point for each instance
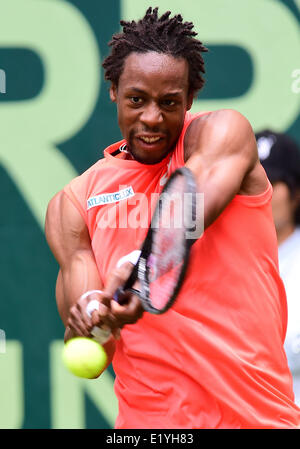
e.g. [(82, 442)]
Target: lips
[(149, 148), (150, 139)]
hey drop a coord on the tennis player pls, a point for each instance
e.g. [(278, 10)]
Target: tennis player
[(216, 358)]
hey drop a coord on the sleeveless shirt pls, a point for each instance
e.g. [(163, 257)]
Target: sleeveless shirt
[(216, 358)]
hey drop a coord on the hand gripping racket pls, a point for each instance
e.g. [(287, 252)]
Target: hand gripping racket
[(161, 266)]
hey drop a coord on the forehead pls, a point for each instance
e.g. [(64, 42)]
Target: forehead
[(155, 70)]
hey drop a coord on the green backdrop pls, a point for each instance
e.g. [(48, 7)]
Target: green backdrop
[(56, 119)]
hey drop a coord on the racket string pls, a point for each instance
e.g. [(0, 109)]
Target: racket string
[(164, 256), (168, 250)]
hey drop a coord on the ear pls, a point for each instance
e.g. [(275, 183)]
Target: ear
[(113, 93)]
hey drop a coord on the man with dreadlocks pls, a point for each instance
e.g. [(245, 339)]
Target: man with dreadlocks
[(216, 358)]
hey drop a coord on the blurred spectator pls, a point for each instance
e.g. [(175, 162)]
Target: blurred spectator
[(280, 157)]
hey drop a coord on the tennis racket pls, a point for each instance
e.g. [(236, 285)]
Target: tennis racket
[(163, 260)]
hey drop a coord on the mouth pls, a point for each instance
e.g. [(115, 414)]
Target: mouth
[(149, 148), (150, 140)]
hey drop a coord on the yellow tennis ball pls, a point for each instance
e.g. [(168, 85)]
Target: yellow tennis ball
[(84, 357)]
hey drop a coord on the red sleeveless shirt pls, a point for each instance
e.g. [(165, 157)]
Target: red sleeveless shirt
[(216, 358)]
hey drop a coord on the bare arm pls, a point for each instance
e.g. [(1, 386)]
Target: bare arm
[(69, 240), (222, 153)]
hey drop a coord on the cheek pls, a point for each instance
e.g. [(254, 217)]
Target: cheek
[(122, 119), (125, 115), (175, 125)]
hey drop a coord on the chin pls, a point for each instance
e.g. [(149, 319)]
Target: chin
[(148, 158)]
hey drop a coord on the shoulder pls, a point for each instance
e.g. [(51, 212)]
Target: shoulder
[(62, 214), (79, 187), (228, 119), (88, 174), (225, 138), (65, 211), (226, 129), (65, 228)]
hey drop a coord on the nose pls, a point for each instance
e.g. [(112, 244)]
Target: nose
[(151, 115)]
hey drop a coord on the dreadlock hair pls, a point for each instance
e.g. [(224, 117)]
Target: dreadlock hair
[(163, 35)]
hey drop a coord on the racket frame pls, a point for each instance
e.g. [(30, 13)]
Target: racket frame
[(140, 271)]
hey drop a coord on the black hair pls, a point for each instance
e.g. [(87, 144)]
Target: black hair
[(165, 35)]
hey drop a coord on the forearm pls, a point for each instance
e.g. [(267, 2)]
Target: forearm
[(80, 277), (77, 277)]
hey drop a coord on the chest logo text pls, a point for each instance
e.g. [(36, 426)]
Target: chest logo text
[(109, 198)]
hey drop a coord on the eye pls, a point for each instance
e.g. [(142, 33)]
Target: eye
[(168, 103), (136, 100)]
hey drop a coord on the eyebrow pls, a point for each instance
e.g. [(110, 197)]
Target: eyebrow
[(175, 93)]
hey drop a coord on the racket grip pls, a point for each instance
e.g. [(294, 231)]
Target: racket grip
[(100, 334), (117, 295), (122, 291)]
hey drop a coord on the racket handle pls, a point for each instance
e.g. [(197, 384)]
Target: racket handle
[(133, 258), (122, 291), (117, 294), (100, 334)]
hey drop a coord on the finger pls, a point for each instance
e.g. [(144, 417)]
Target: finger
[(98, 314), (128, 313), (94, 310), (77, 323), (85, 318), (135, 307), (78, 328), (96, 320), (103, 316), (110, 321)]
